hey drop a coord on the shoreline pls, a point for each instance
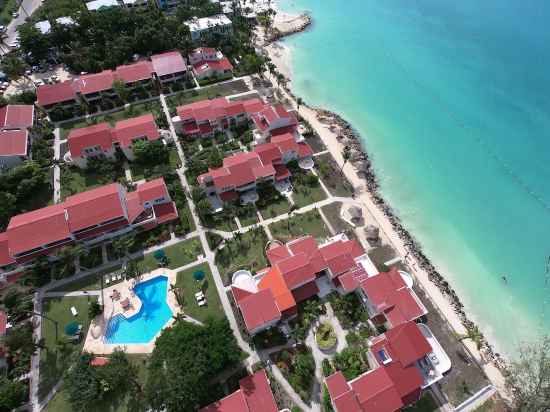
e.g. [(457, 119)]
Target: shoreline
[(362, 176)]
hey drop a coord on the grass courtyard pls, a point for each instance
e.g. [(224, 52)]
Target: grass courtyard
[(275, 208), (243, 251), (190, 286), (178, 255), (309, 223), (54, 358), (306, 194)]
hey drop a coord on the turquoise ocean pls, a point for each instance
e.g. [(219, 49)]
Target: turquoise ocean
[(453, 103)]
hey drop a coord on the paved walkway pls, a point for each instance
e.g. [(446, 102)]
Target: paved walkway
[(56, 168)]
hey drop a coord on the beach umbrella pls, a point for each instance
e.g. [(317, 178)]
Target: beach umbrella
[(159, 254), (71, 328), (372, 232), (355, 212), (198, 275)]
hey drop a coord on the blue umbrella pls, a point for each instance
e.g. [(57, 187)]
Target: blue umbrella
[(71, 328), (198, 275)]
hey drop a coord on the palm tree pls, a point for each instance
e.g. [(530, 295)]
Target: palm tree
[(299, 102), (474, 334), (346, 154), (291, 211)]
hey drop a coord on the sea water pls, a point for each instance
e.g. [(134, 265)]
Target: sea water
[(452, 99)]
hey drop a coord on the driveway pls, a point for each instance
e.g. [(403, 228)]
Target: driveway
[(27, 6)]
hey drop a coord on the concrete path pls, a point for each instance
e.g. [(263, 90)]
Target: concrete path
[(278, 375), (56, 168), (71, 294)]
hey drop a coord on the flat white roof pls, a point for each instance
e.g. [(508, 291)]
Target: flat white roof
[(97, 4), (205, 23)]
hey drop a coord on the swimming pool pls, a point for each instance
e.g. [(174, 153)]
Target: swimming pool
[(151, 318)]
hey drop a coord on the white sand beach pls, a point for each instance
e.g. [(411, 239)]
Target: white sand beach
[(282, 60)]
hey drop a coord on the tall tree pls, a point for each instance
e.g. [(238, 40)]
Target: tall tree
[(346, 154), (529, 376)]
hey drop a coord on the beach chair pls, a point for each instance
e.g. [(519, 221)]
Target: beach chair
[(199, 295), (119, 276), (74, 311), (202, 302), (107, 280), (113, 278)]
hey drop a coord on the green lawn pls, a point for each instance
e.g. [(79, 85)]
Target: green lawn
[(332, 213), (53, 359), (134, 110), (75, 180), (178, 255), (305, 195), (309, 223), (248, 218), (208, 92), (246, 252), (275, 208), (190, 286), (425, 404), (60, 403), (138, 172), (91, 282)]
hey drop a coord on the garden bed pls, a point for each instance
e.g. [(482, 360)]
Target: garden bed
[(300, 378), (326, 337)]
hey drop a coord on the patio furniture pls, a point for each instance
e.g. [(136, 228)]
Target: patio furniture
[(125, 303), (199, 295), (74, 311), (202, 302), (107, 280), (115, 295), (113, 278)]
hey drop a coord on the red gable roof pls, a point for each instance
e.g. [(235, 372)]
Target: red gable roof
[(94, 206), (5, 258), (39, 227), (17, 116), (338, 257), (405, 342), (259, 309), (91, 136), (168, 63), (13, 142), (376, 392), (277, 253), (137, 127), (296, 270), (254, 395), (96, 82), (135, 72), (309, 246), (274, 281), (218, 65), (55, 93), (3, 322), (268, 152), (389, 294), (151, 190)]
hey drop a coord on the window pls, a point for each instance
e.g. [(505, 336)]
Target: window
[(384, 356)]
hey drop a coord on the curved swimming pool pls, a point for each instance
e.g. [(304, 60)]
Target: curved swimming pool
[(151, 318)]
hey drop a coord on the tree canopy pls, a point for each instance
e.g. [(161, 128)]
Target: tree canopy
[(185, 359)]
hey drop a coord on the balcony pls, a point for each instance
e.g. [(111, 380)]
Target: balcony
[(436, 363)]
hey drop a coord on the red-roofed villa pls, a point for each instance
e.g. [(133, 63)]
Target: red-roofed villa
[(208, 62), (15, 123)]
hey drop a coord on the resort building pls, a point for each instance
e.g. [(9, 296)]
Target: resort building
[(240, 174), (205, 117), (15, 124), (88, 217), (99, 4), (169, 67), (102, 141), (91, 88), (254, 395), (299, 270), (208, 62), (404, 361), (207, 27)]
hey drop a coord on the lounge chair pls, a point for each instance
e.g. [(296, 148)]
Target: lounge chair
[(199, 295), (202, 302), (119, 276), (74, 311), (113, 278), (107, 280)]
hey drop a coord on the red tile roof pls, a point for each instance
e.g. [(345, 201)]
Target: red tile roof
[(127, 130), (5, 258), (3, 322), (56, 93), (39, 227), (99, 361), (405, 342), (275, 282), (254, 395), (339, 257), (14, 142), (229, 196), (296, 270), (268, 152), (309, 246), (16, 116), (259, 309), (277, 253), (166, 212), (94, 206), (239, 294), (142, 70), (305, 292), (389, 294), (97, 135), (376, 392), (215, 109), (168, 63), (96, 82), (217, 65), (151, 190)]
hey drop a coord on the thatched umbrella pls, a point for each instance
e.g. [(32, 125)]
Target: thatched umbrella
[(355, 212), (372, 232)]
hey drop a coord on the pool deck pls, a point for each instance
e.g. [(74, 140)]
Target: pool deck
[(95, 339)]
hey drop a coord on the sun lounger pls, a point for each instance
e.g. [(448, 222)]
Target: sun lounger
[(119, 276), (113, 278), (107, 280), (202, 302), (199, 295), (74, 311)]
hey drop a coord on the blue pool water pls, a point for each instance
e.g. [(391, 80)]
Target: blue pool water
[(452, 99), (144, 325)]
